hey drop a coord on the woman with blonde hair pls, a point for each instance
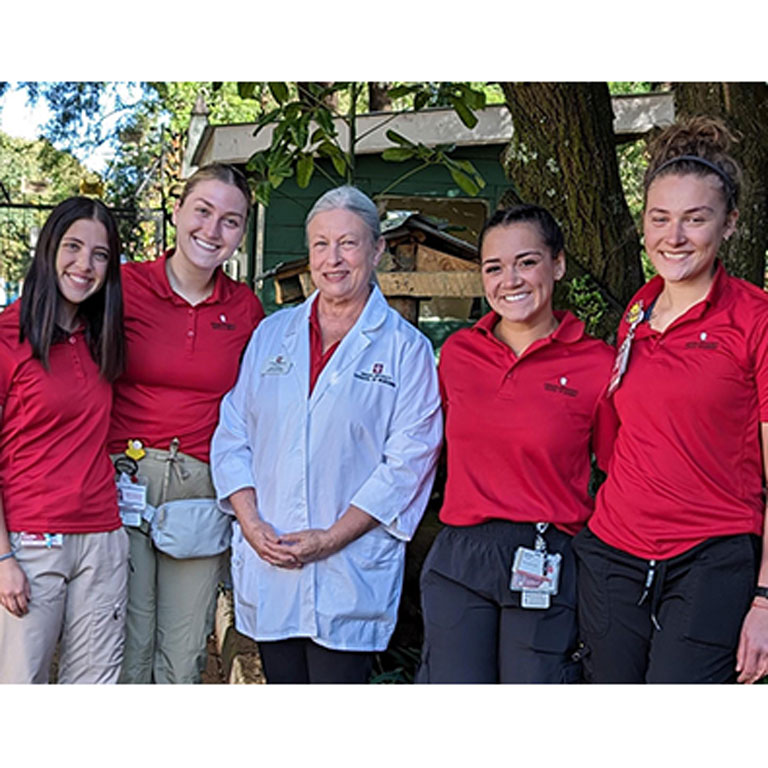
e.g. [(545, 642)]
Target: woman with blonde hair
[(186, 325)]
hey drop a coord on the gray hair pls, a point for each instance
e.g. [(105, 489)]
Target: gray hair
[(348, 198)]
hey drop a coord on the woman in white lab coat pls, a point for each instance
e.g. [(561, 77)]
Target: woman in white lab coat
[(325, 452)]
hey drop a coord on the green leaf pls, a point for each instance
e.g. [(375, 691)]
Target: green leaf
[(397, 154), (258, 163), (472, 98), (304, 168), (279, 92), (246, 90), (293, 110), (425, 153), (464, 112), (421, 100), (267, 117), (466, 183), (262, 191), (339, 163), (398, 138), (324, 119), (401, 90), (279, 133), (317, 135)]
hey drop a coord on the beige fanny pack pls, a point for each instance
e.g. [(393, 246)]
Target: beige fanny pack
[(183, 518)]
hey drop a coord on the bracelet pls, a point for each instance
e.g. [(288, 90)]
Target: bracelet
[(8, 555), (761, 591)]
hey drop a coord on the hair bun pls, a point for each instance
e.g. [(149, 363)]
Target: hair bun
[(702, 137), (707, 137)]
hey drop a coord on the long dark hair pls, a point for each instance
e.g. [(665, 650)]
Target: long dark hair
[(102, 312)]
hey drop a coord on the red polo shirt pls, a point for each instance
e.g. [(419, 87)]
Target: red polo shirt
[(519, 429), (687, 461), (180, 361), (55, 473), (317, 359)]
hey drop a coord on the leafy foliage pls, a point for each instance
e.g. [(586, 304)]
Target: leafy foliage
[(304, 126), (31, 172)]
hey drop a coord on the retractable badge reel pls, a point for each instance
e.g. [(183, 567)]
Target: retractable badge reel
[(131, 491), (536, 572)]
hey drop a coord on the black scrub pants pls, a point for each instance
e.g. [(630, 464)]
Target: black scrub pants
[(683, 627), (300, 660), (474, 628)]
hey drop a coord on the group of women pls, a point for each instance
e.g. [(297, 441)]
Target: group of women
[(323, 452)]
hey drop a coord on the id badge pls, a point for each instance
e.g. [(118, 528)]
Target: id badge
[(131, 499), (535, 573), (530, 599), (48, 540), (276, 366)]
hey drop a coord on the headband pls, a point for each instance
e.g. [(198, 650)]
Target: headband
[(729, 183)]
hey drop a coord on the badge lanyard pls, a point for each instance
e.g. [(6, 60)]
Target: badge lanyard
[(634, 317), (535, 572)]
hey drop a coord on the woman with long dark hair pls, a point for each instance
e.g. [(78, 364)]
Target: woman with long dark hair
[(63, 553)]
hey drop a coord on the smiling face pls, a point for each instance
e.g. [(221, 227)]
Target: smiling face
[(684, 223), (81, 264), (342, 255), (209, 225), (519, 273)]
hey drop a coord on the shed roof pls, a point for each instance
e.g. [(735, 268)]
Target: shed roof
[(235, 143)]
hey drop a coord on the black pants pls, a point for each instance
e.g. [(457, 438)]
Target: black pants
[(299, 660), (474, 628), (683, 628)]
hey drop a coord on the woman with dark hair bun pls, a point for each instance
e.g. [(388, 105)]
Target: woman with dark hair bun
[(63, 553), (521, 394), (186, 325), (672, 585)]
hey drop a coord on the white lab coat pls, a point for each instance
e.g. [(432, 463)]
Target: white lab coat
[(369, 435)]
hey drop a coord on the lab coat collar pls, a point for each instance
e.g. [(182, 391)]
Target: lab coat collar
[(296, 342)]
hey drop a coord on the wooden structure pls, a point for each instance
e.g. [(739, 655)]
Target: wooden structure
[(421, 262)]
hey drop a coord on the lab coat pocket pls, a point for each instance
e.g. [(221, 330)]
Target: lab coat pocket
[(363, 580)]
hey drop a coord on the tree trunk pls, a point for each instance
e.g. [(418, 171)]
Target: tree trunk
[(744, 108), (562, 155), (378, 97)]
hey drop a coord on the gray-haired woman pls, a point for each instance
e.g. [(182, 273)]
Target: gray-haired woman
[(325, 451)]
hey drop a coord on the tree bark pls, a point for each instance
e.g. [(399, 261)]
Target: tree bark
[(744, 108), (562, 155), (378, 97)]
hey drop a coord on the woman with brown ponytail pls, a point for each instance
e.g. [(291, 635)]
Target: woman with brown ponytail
[(672, 585)]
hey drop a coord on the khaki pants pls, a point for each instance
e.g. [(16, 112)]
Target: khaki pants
[(171, 602), (78, 595)]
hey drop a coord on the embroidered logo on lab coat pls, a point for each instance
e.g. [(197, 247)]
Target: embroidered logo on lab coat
[(376, 375), (278, 365)]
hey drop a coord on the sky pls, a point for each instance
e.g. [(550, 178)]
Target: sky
[(20, 120)]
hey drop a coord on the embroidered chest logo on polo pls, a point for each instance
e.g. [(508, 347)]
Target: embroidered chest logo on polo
[(223, 324), (376, 375), (561, 387), (702, 342)]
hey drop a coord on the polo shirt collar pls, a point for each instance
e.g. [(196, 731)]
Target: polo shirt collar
[(158, 280), (569, 328), (653, 288)]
